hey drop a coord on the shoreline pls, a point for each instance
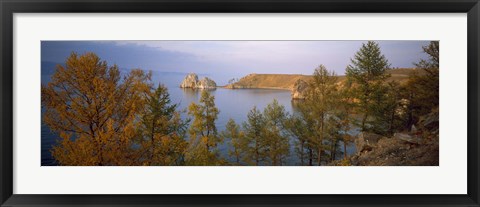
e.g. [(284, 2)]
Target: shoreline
[(272, 88)]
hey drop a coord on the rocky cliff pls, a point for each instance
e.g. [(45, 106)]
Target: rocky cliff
[(206, 83), (299, 89), (191, 81)]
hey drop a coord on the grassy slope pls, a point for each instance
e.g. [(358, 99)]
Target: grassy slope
[(286, 81), (278, 81)]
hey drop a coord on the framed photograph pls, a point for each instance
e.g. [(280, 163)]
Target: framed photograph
[(239, 103)]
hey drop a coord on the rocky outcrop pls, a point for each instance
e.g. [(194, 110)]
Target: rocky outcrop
[(299, 89), (366, 141), (191, 81), (430, 121), (403, 149), (206, 83), (413, 139), (397, 152)]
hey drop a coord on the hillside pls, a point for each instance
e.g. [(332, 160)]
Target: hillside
[(273, 81), (286, 81)]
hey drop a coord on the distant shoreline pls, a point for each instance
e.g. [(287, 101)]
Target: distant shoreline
[(272, 88)]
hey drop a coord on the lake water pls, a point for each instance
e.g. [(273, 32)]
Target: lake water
[(233, 104)]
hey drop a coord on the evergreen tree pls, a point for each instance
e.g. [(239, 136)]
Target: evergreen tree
[(254, 128), (276, 141), (335, 134), (388, 119), (162, 129), (237, 141), (422, 89), (320, 102), (204, 137), (296, 127), (343, 112), (368, 73)]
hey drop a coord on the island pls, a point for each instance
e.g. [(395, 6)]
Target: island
[(191, 81)]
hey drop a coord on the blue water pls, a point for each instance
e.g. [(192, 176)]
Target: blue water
[(233, 104)]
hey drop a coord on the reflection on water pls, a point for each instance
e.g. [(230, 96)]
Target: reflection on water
[(232, 103)]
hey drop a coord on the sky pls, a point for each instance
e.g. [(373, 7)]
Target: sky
[(232, 59)]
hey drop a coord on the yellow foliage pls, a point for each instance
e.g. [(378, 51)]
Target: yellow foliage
[(94, 110)]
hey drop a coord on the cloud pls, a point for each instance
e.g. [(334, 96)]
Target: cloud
[(232, 58), (270, 55)]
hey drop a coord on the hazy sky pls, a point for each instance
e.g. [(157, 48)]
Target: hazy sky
[(232, 58)]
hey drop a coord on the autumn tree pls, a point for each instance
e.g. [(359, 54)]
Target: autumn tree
[(368, 73), (204, 137), (162, 130), (94, 110), (254, 127), (236, 137), (276, 141)]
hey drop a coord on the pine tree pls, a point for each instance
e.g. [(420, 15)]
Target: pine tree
[(254, 128), (320, 102), (162, 129), (423, 86), (204, 137), (296, 126), (368, 73), (277, 142), (237, 141), (343, 111)]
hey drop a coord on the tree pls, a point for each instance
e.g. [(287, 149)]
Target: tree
[(342, 114), (162, 129), (277, 142), (387, 117), (334, 136), (254, 134), (237, 141), (423, 85), (232, 81), (94, 111), (204, 137), (297, 127), (320, 101), (368, 72)]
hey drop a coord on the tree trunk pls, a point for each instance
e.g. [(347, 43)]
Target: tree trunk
[(310, 156), (333, 152), (321, 140), (256, 152), (392, 119), (152, 143), (364, 120), (301, 153), (319, 160)]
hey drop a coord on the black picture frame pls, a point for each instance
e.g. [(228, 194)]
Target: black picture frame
[(9, 7)]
